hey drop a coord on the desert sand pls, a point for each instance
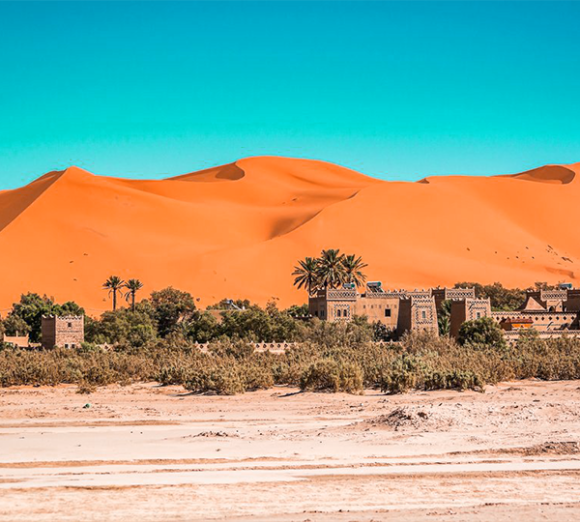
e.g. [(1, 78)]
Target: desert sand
[(149, 453), (236, 231)]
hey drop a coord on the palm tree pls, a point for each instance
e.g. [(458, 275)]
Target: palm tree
[(353, 267), (133, 286), (306, 274), (114, 285), (331, 271)]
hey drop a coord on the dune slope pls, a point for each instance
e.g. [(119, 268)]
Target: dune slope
[(237, 230)]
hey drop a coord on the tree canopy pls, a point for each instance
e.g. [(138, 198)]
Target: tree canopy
[(482, 333), (331, 270), (29, 311)]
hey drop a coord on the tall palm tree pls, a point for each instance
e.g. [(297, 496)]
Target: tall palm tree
[(114, 285), (331, 272), (353, 266), (306, 275), (132, 286)]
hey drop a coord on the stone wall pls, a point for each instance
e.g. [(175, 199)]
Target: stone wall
[(403, 310), (542, 321), (416, 314), (451, 294), (65, 331), (467, 310)]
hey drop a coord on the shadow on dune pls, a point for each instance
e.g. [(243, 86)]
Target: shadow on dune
[(14, 202)]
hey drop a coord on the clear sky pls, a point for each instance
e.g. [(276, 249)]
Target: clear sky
[(398, 90)]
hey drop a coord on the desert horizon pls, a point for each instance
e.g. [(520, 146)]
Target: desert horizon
[(235, 231)]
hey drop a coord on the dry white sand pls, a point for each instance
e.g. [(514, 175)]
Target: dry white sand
[(152, 453)]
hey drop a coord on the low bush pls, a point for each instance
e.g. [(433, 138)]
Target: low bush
[(333, 376), (223, 380), (420, 361)]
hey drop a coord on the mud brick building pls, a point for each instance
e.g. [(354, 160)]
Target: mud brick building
[(552, 313), (399, 310), (65, 332), (469, 309)]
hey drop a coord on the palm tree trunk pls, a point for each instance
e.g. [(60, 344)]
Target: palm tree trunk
[(133, 301), (114, 300)]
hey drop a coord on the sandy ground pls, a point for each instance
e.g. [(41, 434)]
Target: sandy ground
[(152, 453)]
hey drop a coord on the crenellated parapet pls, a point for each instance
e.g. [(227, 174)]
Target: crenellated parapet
[(67, 331)]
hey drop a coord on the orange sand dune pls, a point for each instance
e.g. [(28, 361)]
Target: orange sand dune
[(237, 230)]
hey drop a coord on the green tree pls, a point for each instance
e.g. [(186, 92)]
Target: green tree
[(353, 267), (501, 298), (231, 304), (132, 286), (444, 318), (134, 328), (306, 274), (15, 325), (482, 333), (171, 307), (331, 272), (382, 333), (298, 311), (202, 328), (30, 310), (68, 308), (256, 324), (114, 285)]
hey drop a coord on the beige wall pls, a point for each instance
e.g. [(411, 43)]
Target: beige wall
[(66, 331), (542, 321), (467, 310)]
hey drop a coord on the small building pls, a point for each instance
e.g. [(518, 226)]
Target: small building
[(552, 313), (399, 310), (470, 309), (451, 294), (64, 332), (18, 341), (516, 323)]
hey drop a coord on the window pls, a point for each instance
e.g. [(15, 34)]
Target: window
[(424, 314), (387, 312), (69, 325), (338, 313), (479, 315)]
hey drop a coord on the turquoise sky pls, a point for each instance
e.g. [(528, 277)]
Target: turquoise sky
[(398, 90)]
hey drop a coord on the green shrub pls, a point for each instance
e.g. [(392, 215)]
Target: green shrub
[(86, 388), (420, 361), (453, 379), (401, 376), (256, 377), (224, 380), (481, 334), (331, 375), (322, 375), (351, 378)]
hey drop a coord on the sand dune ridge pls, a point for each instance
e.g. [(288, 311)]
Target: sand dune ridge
[(238, 229)]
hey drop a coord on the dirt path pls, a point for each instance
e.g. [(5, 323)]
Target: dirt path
[(151, 453)]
